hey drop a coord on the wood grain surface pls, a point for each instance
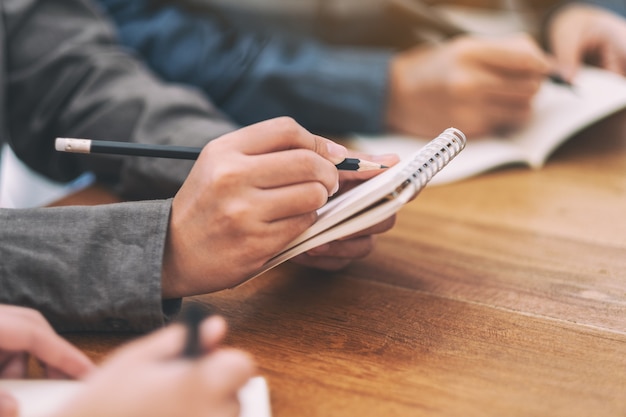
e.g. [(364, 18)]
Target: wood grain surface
[(502, 295)]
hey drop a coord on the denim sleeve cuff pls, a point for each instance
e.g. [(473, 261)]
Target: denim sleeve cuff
[(327, 90), (355, 81)]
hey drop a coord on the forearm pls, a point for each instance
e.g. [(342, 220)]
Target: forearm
[(259, 75), (71, 79), (102, 273)]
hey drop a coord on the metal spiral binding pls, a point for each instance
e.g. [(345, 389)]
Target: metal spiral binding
[(434, 156)]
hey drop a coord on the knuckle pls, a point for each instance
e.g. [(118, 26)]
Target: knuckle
[(287, 125), (306, 160), (226, 177), (315, 197), (235, 213)]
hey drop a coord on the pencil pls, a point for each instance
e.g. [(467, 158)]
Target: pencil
[(171, 151)]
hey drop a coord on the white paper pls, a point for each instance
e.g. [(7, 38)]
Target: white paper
[(42, 397), (558, 113)]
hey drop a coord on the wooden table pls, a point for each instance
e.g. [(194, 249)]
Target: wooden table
[(503, 295)]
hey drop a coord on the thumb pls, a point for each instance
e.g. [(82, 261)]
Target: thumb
[(8, 405)]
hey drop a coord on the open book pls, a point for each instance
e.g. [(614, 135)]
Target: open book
[(44, 397), (378, 198), (559, 112)]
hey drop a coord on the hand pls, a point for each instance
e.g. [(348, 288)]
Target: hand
[(338, 254), (24, 332), (149, 378), (249, 194), (479, 85), (580, 33)]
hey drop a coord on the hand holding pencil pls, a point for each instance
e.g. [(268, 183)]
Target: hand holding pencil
[(166, 374), (251, 192)]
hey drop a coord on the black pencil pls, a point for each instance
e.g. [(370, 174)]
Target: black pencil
[(171, 151)]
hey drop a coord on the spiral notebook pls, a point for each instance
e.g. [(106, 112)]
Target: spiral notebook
[(376, 199)]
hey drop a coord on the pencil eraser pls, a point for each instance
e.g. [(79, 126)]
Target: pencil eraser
[(72, 145), (60, 144)]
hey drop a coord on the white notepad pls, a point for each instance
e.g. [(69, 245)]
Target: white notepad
[(376, 199), (42, 397)]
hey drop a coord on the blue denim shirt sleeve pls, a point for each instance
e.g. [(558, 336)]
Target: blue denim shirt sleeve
[(254, 76), (617, 6)]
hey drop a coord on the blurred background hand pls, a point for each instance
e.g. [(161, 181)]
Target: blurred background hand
[(483, 84), (581, 33)]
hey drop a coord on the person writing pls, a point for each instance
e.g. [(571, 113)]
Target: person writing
[(124, 267), (587, 31), (145, 377), (478, 84)]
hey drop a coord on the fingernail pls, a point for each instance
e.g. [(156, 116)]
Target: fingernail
[(334, 191), (336, 152)]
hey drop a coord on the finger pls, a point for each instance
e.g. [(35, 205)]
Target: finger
[(293, 167), (285, 230), (295, 200), (567, 48), (58, 354), (32, 333), (14, 366), (8, 405), (517, 54), (227, 370), (163, 344), (212, 332), (513, 89), (354, 248), (326, 263), (281, 134)]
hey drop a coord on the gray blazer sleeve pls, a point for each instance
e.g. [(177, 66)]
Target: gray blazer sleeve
[(93, 268), (87, 269), (67, 76)]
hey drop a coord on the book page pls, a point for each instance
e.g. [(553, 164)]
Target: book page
[(43, 397), (558, 113)]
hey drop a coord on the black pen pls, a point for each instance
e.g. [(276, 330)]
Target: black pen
[(171, 151), (558, 79), (192, 316)]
